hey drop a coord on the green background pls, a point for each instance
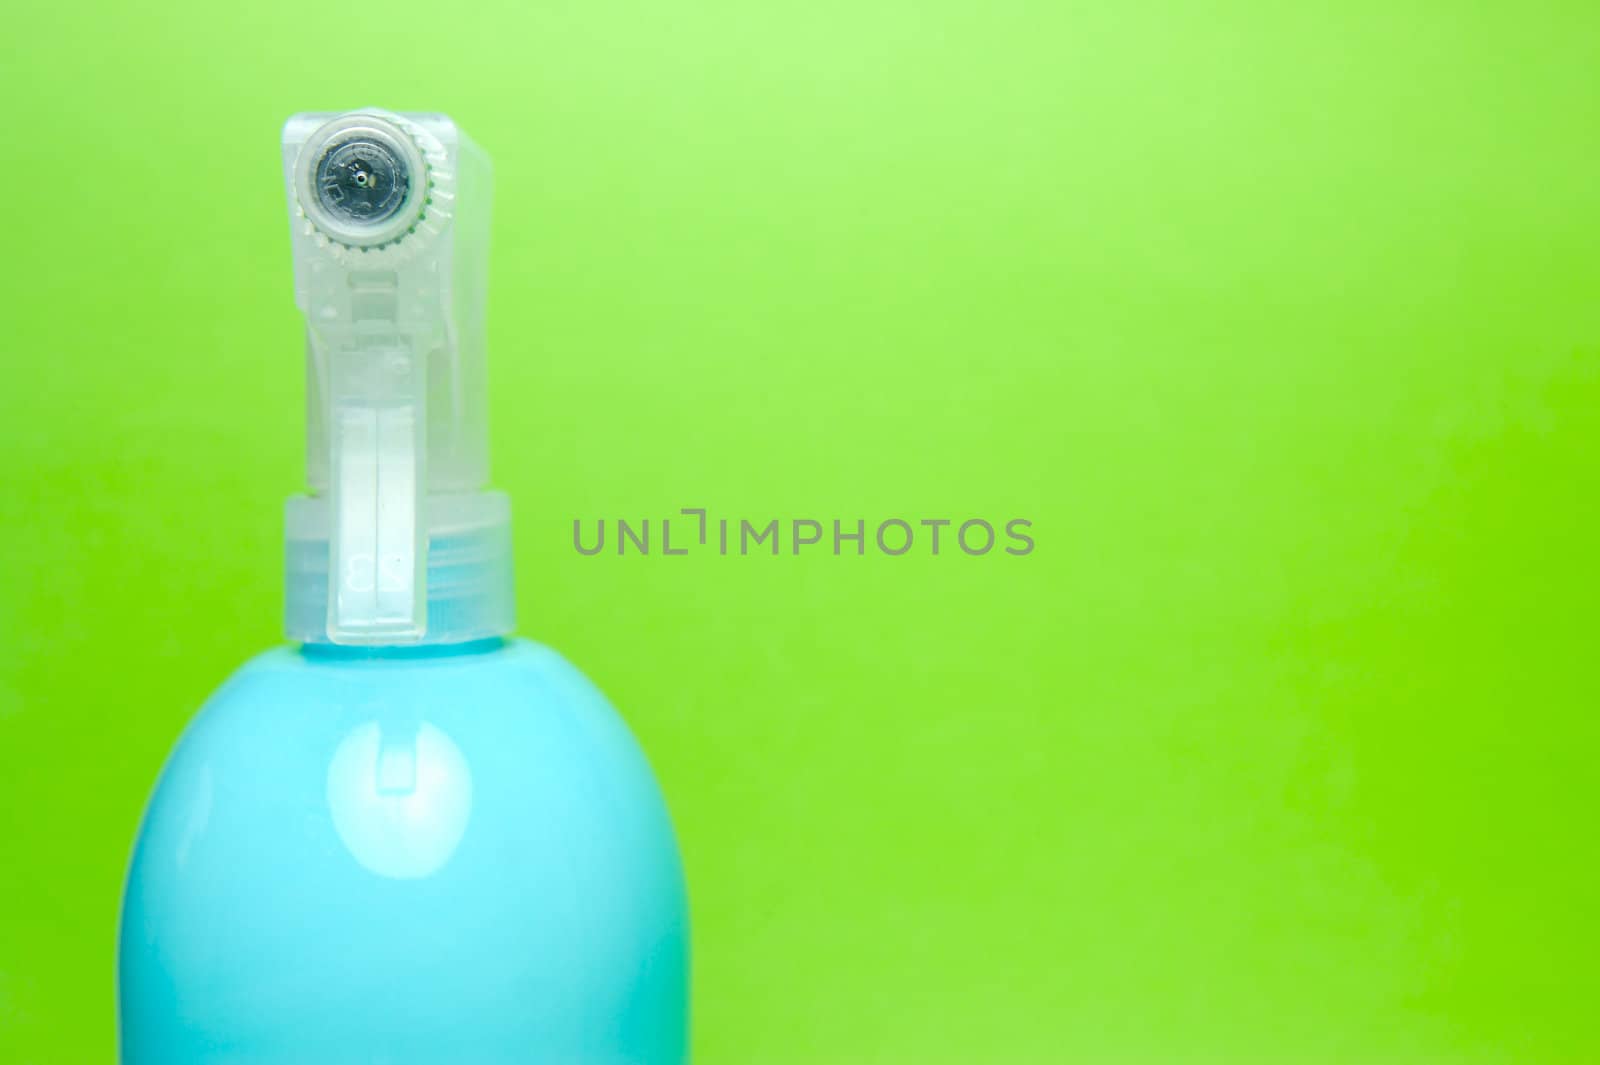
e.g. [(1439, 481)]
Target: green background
[(1280, 321)]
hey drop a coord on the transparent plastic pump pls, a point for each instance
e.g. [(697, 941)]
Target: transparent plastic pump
[(397, 541)]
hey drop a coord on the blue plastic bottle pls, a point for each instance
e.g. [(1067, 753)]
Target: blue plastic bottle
[(411, 839)]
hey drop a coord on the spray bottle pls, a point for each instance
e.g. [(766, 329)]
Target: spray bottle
[(411, 837)]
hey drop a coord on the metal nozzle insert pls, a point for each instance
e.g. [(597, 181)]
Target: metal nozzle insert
[(361, 180)]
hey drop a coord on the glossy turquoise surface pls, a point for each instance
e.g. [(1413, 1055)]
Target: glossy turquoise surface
[(393, 857)]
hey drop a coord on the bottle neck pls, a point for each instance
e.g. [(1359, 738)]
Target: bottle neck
[(332, 652)]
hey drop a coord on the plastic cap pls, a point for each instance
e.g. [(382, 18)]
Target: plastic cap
[(397, 542)]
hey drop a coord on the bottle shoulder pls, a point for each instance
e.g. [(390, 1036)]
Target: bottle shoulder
[(290, 723), (510, 667), (515, 688), (507, 653)]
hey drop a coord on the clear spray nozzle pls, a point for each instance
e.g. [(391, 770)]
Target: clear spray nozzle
[(389, 217)]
